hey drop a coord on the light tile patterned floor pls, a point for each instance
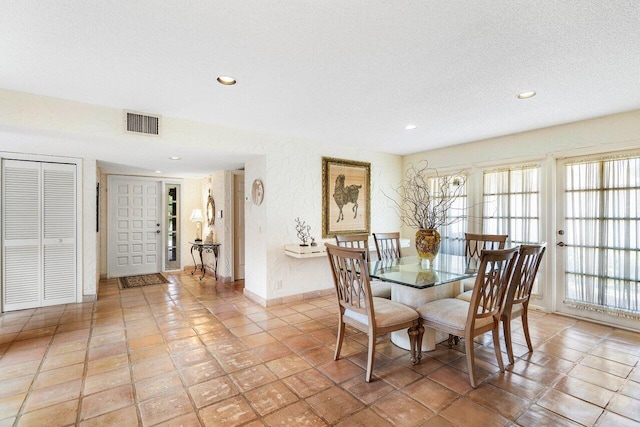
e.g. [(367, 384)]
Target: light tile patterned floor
[(199, 353)]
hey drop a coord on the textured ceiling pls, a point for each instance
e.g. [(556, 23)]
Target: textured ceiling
[(347, 72)]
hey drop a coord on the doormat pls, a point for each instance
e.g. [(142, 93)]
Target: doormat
[(142, 280)]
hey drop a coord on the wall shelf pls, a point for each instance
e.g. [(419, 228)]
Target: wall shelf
[(297, 251)]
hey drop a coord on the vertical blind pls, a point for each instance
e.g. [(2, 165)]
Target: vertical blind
[(602, 256)]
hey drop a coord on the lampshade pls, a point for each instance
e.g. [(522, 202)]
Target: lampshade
[(196, 215)]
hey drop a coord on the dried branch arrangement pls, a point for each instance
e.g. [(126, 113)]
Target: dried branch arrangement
[(426, 197), (304, 231)]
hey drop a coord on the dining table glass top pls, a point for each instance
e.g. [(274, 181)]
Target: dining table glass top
[(418, 273)]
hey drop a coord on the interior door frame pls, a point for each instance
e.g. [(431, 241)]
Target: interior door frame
[(161, 213), (79, 164)]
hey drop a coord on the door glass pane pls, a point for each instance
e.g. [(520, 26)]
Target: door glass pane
[(602, 257), (172, 260)]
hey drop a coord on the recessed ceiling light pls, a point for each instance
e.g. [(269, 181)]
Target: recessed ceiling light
[(174, 158), (526, 95), (158, 171), (226, 80), (410, 127)]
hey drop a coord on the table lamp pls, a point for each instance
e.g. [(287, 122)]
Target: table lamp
[(196, 216)]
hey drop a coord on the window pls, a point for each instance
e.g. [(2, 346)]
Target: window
[(511, 204), (452, 235)]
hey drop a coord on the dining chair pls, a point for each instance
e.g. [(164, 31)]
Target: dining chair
[(474, 245), (471, 319), (387, 245), (359, 309), (379, 288), (519, 292)]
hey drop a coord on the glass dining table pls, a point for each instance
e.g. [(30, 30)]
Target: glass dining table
[(415, 282)]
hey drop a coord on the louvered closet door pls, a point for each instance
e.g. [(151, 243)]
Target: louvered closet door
[(21, 208), (59, 233), (39, 229)]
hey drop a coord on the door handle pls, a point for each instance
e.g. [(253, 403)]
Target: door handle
[(561, 244), (157, 231)]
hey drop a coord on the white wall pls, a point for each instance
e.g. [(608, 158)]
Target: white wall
[(614, 132), (293, 188), (89, 235), (222, 192), (255, 231), (289, 167)]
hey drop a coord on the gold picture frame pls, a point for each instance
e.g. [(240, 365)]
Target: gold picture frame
[(346, 197)]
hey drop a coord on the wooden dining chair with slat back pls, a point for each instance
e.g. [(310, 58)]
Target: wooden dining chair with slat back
[(482, 314), (517, 300), (473, 247), (387, 245), (361, 241), (359, 309)]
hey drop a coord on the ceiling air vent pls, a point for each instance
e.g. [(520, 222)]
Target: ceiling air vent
[(142, 123)]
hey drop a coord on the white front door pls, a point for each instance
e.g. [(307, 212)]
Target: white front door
[(597, 238), (135, 224)]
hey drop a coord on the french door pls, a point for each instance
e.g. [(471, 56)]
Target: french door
[(597, 238), (135, 226)]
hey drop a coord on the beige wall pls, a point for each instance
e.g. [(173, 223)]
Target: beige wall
[(544, 146), (608, 133)]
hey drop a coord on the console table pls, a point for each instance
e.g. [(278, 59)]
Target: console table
[(201, 247)]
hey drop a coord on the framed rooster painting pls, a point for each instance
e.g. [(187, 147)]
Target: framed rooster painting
[(346, 197)]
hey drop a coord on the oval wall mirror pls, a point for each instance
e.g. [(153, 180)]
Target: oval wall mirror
[(257, 192)]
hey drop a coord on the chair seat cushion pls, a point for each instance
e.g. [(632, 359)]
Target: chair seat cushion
[(465, 296), (450, 312), (380, 289), (468, 283), (517, 307), (388, 313)]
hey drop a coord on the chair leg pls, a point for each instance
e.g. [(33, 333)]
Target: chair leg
[(419, 341), (525, 327), (506, 326), (370, 356), (450, 341), (471, 365), (336, 356), (496, 345), (413, 338)]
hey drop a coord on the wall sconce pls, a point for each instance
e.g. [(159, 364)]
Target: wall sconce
[(196, 216)]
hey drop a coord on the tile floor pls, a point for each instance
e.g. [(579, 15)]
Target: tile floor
[(195, 353)]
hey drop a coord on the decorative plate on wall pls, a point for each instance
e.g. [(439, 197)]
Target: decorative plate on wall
[(257, 192)]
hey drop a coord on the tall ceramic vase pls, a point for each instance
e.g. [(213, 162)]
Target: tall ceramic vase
[(427, 243)]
